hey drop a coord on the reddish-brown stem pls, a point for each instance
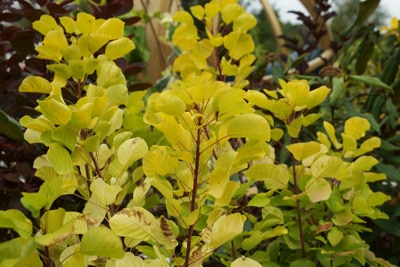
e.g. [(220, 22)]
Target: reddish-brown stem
[(296, 191), (193, 196)]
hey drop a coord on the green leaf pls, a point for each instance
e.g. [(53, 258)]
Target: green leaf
[(243, 261), (277, 231), (10, 127), (252, 241), (343, 217), (335, 236), (365, 10), (101, 241), (302, 263), (372, 81), (49, 191), (60, 159), (260, 200), (364, 56), (118, 48), (337, 90), (35, 84), (393, 174), (17, 221), (249, 126)]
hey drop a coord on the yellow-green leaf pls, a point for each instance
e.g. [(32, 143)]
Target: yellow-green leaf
[(57, 236), (118, 48), (197, 12), (327, 167), (238, 44), (244, 22), (243, 261), (85, 22), (17, 221), (35, 84), (301, 151), (131, 150), (335, 236), (113, 27), (138, 223), (332, 134), (55, 111), (68, 23), (317, 96), (356, 127), (101, 241), (60, 159), (46, 24), (109, 74), (226, 228), (364, 163), (230, 12), (294, 127), (107, 194), (274, 176), (169, 103), (342, 217), (318, 189), (218, 181), (183, 17), (249, 126)]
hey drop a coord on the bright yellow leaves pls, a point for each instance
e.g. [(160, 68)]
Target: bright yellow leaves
[(200, 53), (299, 96), (35, 84), (393, 27), (355, 128), (89, 35)]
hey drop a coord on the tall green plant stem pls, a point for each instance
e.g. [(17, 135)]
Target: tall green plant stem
[(296, 191), (193, 196)]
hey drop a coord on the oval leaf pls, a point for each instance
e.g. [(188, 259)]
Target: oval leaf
[(101, 241)]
